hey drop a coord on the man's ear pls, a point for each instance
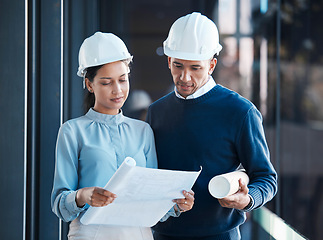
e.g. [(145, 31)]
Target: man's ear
[(212, 65), (169, 62)]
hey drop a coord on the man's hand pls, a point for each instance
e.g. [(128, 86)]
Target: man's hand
[(239, 200), (94, 196)]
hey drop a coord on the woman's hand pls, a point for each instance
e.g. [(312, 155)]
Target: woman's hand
[(185, 204), (94, 196)]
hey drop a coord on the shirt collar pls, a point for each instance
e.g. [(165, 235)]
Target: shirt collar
[(201, 91), (105, 118)]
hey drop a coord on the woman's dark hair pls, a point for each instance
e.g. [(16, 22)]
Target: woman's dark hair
[(89, 98)]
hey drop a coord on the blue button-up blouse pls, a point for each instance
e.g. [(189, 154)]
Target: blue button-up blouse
[(90, 149)]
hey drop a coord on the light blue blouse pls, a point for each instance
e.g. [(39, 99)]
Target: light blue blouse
[(89, 150)]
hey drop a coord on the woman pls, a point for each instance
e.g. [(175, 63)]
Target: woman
[(90, 148)]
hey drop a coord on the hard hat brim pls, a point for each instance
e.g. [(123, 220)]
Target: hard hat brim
[(81, 70), (191, 56)]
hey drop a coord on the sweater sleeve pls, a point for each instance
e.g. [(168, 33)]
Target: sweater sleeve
[(254, 155), (65, 177)]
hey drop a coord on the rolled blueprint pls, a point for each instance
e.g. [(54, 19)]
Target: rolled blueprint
[(227, 184), (120, 175)]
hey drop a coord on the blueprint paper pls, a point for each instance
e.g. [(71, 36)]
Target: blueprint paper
[(144, 195)]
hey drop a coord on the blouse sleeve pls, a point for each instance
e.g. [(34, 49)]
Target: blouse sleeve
[(65, 177), (150, 150)]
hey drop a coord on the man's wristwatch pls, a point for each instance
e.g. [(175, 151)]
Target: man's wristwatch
[(250, 204)]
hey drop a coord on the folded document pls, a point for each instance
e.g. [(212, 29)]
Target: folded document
[(144, 195)]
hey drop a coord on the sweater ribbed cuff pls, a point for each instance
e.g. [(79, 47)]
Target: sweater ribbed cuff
[(257, 198)]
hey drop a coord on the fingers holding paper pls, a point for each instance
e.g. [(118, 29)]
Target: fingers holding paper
[(185, 204), (94, 196), (238, 200)]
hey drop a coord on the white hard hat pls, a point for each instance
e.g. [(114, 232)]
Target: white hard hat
[(101, 48), (192, 37)]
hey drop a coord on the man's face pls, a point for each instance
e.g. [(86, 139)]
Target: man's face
[(189, 76)]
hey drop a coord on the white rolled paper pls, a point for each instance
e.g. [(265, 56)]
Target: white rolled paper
[(227, 184)]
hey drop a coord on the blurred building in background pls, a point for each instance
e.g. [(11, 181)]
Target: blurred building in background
[(272, 54)]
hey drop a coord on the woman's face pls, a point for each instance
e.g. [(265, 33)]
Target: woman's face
[(110, 87)]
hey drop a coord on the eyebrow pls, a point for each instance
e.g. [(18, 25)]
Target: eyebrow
[(109, 78), (177, 63), (196, 65)]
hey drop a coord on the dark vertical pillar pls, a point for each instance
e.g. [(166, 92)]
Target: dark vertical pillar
[(33, 83), (12, 68), (278, 107), (81, 19), (49, 111), (43, 115)]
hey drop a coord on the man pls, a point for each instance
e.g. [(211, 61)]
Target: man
[(204, 124)]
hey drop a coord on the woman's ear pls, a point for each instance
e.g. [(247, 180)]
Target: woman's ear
[(88, 84)]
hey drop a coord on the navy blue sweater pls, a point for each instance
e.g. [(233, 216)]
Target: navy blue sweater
[(217, 131)]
